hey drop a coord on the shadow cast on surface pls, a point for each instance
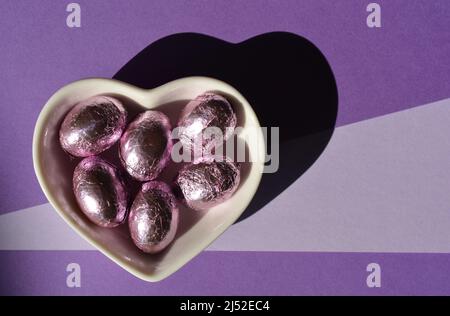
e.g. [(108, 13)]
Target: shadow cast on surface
[(285, 78)]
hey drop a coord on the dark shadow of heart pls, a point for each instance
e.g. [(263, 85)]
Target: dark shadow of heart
[(285, 78)]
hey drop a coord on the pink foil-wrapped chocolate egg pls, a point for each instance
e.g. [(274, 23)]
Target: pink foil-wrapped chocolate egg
[(145, 145), (208, 110), (153, 219), (208, 182), (100, 192), (92, 126)]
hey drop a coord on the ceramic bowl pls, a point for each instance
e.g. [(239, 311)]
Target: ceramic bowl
[(54, 169)]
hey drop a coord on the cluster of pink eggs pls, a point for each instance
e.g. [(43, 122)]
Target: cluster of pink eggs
[(144, 150)]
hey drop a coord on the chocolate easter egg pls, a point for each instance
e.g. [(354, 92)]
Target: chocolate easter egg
[(153, 217), (207, 111), (145, 145), (92, 126), (100, 192), (208, 182)]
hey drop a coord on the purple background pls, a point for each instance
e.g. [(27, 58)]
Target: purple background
[(404, 64), (231, 273)]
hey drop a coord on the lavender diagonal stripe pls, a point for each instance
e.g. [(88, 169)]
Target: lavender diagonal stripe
[(380, 186)]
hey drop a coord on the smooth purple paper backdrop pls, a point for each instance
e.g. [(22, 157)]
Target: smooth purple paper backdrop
[(378, 71), (231, 273)]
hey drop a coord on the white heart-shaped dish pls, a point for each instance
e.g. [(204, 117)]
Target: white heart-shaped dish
[(197, 230)]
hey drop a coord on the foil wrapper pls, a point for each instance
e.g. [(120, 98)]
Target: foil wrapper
[(208, 110), (92, 126), (208, 182), (146, 144), (153, 219), (100, 192)]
